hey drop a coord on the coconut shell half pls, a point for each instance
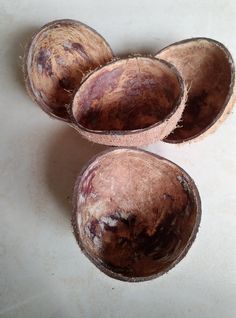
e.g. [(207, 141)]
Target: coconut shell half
[(135, 214), (129, 102), (57, 58), (208, 69)]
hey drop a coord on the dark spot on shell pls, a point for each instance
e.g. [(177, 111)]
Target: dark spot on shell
[(196, 103), (79, 48), (197, 115), (93, 227), (161, 243), (108, 227), (91, 117), (122, 241), (67, 83), (43, 60), (129, 221), (75, 46), (167, 196)]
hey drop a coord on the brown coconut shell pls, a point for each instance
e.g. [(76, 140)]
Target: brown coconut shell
[(135, 214), (129, 102), (57, 58), (208, 69)]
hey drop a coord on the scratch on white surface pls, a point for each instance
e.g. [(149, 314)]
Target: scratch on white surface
[(23, 302)]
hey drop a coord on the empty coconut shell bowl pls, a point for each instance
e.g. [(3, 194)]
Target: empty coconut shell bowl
[(57, 58), (129, 102), (208, 70), (135, 214)]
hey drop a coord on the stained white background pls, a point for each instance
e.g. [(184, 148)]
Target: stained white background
[(42, 271)]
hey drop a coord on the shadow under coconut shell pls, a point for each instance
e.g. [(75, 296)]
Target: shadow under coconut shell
[(19, 42), (67, 153)]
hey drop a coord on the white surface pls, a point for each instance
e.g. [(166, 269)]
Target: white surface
[(42, 271)]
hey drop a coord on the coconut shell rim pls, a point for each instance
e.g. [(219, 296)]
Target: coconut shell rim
[(134, 131), (109, 272), (27, 81), (230, 92)]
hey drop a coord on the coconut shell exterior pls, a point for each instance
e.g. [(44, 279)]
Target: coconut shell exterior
[(55, 62), (208, 69), (135, 214), (129, 102)]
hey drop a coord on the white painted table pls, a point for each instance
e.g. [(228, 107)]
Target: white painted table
[(42, 271)]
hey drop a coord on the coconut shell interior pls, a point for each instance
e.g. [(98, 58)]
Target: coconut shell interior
[(207, 68), (57, 58), (126, 95), (136, 214)]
